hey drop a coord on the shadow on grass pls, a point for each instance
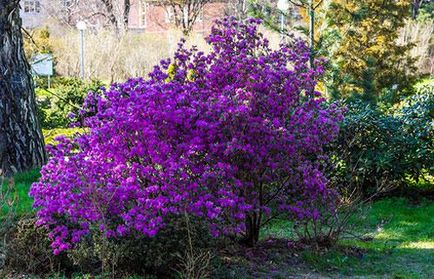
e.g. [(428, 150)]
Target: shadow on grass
[(401, 243)]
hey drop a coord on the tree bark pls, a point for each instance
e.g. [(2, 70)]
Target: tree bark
[(415, 8), (111, 15), (186, 12), (253, 227), (127, 8), (21, 140)]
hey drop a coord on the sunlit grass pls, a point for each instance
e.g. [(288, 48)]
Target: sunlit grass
[(50, 135), (400, 245), (418, 245), (20, 191)]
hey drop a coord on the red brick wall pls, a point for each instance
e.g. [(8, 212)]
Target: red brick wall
[(156, 17)]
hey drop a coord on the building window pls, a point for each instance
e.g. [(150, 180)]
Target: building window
[(32, 6), (143, 8)]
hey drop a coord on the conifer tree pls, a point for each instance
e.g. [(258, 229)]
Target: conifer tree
[(367, 59)]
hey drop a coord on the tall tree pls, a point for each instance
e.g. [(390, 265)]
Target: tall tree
[(126, 13), (237, 8), (370, 61), (307, 8), (185, 12), (21, 140), (112, 14), (415, 6), (310, 6), (117, 12)]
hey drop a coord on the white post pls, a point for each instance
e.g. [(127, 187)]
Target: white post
[(283, 6), (82, 54), (81, 26)]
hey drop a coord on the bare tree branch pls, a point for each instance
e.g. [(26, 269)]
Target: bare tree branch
[(113, 13), (186, 12)]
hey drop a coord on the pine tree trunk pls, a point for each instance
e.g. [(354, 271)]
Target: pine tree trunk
[(21, 140)]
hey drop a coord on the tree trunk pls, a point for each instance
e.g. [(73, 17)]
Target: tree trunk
[(111, 14), (21, 140), (127, 8), (253, 226), (415, 8), (311, 11)]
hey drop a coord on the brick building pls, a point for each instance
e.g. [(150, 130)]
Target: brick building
[(151, 17), (32, 13), (145, 15)]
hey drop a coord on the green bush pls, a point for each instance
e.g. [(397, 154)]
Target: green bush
[(426, 13), (28, 251), (417, 115), (363, 155), (67, 96), (380, 150), (158, 255)]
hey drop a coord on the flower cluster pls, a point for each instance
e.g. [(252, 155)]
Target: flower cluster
[(228, 136)]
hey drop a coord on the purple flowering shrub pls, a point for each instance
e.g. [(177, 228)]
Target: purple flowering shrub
[(234, 137)]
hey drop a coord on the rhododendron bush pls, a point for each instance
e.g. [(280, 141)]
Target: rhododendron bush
[(234, 137)]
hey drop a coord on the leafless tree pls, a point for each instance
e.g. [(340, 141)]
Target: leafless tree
[(111, 12), (117, 12), (126, 13), (63, 11), (185, 12), (237, 8), (98, 13)]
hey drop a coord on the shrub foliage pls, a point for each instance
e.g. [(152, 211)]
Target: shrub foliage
[(380, 150), (234, 137), (55, 105)]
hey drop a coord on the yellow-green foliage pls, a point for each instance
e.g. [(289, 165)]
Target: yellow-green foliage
[(367, 55), (37, 41), (171, 71), (50, 135), (321, 8)]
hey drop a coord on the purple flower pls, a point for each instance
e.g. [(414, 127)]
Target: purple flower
[(229, 133)]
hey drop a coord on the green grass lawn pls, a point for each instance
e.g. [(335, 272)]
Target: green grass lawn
[(400, 245), (22, 183), (400, 233)]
